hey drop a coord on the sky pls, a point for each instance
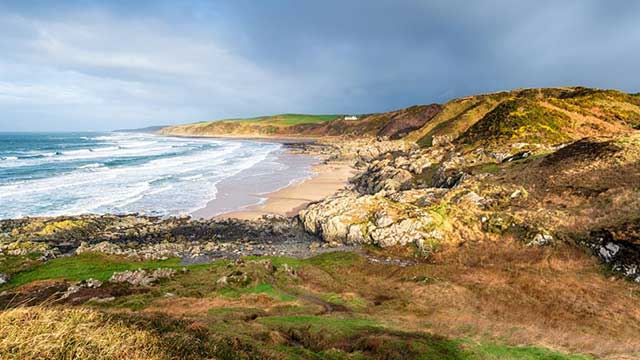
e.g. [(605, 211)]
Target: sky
[(100, 65)]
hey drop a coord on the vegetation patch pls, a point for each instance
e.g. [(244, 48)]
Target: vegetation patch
[(72, 333), (262, 288), (10, 264), (86, 266), (520, 120), (333, 326), (492, 351)]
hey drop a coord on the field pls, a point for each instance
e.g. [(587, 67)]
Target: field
[(289, 119), (336, 305)]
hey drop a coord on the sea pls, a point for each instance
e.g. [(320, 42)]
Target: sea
[(51, 174)]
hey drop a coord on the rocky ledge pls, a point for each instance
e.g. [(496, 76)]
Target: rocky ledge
[(150, 238)]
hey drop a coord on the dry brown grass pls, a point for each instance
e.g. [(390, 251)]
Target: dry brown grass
[(71, 333), (589, 184), (553, 297), (557, 298), (190, 306), (588, 124), (497, 291)]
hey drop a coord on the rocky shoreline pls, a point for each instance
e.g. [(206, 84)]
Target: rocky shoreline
[(402, 196), (147, 237)]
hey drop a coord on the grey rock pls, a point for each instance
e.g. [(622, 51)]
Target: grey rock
[(142, 277), (608, 251), (541, 239)]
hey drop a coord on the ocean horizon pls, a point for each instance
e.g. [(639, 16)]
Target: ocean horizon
[(71, 173)]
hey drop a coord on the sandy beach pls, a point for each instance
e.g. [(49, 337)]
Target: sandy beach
[(325, 180)]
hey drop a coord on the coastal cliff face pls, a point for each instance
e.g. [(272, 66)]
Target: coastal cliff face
[(494, 220)]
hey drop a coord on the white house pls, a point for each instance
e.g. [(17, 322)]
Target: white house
[(351, 118)]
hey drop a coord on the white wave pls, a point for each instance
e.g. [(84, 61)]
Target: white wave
[(91, 166), (192, 177), (169, 185)]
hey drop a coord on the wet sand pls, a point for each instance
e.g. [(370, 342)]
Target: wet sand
[(326, 180)]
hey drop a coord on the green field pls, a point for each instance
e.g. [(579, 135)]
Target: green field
[(288, 119)]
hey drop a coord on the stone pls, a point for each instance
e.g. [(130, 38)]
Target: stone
[(4, 278), (355, 235), (99, 300), (608, 251), (92, 283), (142, 277), (518, 156), (72, 289), (383, 219), (473, 198), (223, 281), (541, 239)]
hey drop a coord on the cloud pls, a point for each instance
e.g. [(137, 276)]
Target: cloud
[(93, 65), (98, 64)]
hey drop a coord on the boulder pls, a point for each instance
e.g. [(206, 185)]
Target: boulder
[(541, 239), (621, 256), (365, 219), (142, 277)]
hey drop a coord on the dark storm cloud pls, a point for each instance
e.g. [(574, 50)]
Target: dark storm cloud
[(426, 50), (97, 64)]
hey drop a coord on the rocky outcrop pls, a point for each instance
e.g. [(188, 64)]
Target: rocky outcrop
[(618, 247), (142, 277), (147, 237), (450, 194), (351, 218), (363, 151)]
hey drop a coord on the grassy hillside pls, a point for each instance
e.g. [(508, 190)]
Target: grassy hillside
[(394, 124), (258, 126), (547, 116), (289, 119), (335, 305)]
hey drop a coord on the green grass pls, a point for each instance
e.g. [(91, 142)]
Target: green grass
[(329, 330), (279, 261), (355, 302), (492, 351), (85, 266), (13, 264), (333, 259), (134, 302), (288, 119), (262, 288), (299, 331), (519, 120), (329, 259), (336, 326)]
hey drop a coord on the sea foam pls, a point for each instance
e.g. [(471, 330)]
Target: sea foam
[(119, 173)]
